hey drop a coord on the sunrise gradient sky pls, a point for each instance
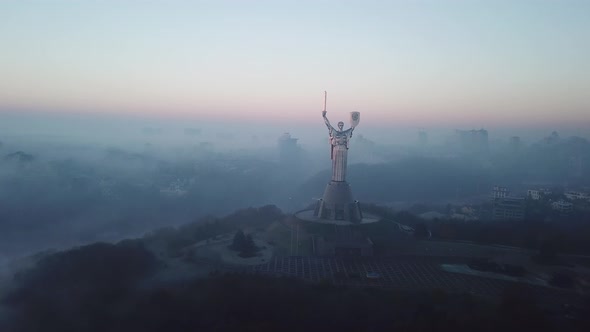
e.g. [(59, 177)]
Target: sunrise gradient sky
[(419, 63)]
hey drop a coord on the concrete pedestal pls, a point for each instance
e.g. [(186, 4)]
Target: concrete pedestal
[(338, 204)]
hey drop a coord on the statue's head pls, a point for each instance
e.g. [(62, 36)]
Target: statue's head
[(340, 125)]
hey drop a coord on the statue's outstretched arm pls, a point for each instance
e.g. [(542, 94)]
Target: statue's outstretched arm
[(349, 131)]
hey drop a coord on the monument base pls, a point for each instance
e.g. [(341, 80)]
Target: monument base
[(308, 216), (338, 204), (343, 243)]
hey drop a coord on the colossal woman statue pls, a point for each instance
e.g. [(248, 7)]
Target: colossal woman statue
[(337, 205), (339, 139)]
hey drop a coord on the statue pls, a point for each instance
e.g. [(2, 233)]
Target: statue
[(339, 140), (337, 205)]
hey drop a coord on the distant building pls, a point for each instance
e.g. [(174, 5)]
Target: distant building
[(508, 208), (552, 139), (537, 194), (466, 213), (472, 140), (288, 149), (19, 156), (562, 206), (176, 188), (577, 195), (499, 192), (367, 149), (514, 142)]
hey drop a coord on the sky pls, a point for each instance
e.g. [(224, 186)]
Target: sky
[(415, 63)]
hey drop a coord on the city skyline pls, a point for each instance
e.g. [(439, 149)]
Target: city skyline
[(414, 63)]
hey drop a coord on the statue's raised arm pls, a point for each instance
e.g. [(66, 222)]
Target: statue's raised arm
[(328, 122)]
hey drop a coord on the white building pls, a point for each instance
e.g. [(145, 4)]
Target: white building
[(499, 192), (537, 194), (176, 188), (575, 195), (562, 206)]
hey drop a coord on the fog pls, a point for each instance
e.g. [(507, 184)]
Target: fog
[(72, 179)]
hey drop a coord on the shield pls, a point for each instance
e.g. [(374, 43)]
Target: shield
[(355, 118)]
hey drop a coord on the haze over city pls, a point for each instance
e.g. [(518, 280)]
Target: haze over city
[(294, 165)]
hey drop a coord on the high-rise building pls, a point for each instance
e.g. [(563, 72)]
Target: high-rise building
[(288, 149), (508, 208), (505, 206), (472, 140)]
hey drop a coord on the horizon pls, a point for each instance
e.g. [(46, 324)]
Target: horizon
[(113, 129)]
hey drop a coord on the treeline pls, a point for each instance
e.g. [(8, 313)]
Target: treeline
[(563, 235), (526, 234), (75, 289), (173, 239)]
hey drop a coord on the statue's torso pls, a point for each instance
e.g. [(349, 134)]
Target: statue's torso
[(340, 137)]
